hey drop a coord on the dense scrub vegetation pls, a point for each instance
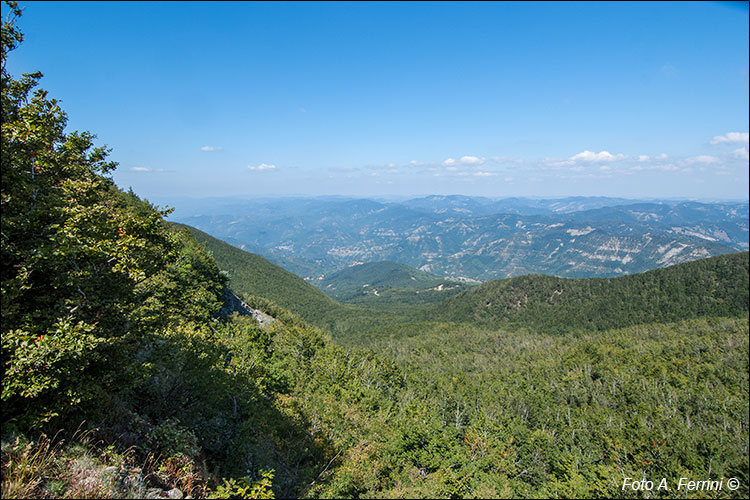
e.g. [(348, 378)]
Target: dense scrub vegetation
[(122, 377), (580, 411)]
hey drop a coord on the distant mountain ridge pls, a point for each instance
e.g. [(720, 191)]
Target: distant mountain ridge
[(475, 206), (716, 286), (455, 236)]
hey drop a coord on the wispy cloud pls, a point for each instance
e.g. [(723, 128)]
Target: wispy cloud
[(732, 138), (741, 153), (706, 159), (670, 168), (147, 169), (261, 167), (506, 159), (211, 148)]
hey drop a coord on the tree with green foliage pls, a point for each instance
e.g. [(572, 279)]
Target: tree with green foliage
[(86, 268)]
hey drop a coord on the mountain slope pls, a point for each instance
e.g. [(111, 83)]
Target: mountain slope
[(251, 274), (715, 286)]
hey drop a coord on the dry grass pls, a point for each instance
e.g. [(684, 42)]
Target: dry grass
[(84, 468), (26, 466)]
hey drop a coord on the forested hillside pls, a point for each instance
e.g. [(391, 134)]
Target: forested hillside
[(716, 286), (259, 282), (251, 274)]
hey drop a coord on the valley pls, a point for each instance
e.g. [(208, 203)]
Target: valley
[(475, 238)]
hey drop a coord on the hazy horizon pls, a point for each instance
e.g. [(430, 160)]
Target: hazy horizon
[(173, 201)]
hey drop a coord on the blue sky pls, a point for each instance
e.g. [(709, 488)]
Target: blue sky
[(494, 99)]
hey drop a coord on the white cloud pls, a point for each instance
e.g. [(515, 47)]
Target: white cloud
[(663, 156), (148, 169), (262, 166), (732, 138), (590, 156), (471, 160), (211, 148), (464, 160), (484, 174), (643, 158), (416, 163), (585, 157)]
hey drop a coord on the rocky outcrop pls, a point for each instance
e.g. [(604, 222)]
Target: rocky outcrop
[(233, 304)]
